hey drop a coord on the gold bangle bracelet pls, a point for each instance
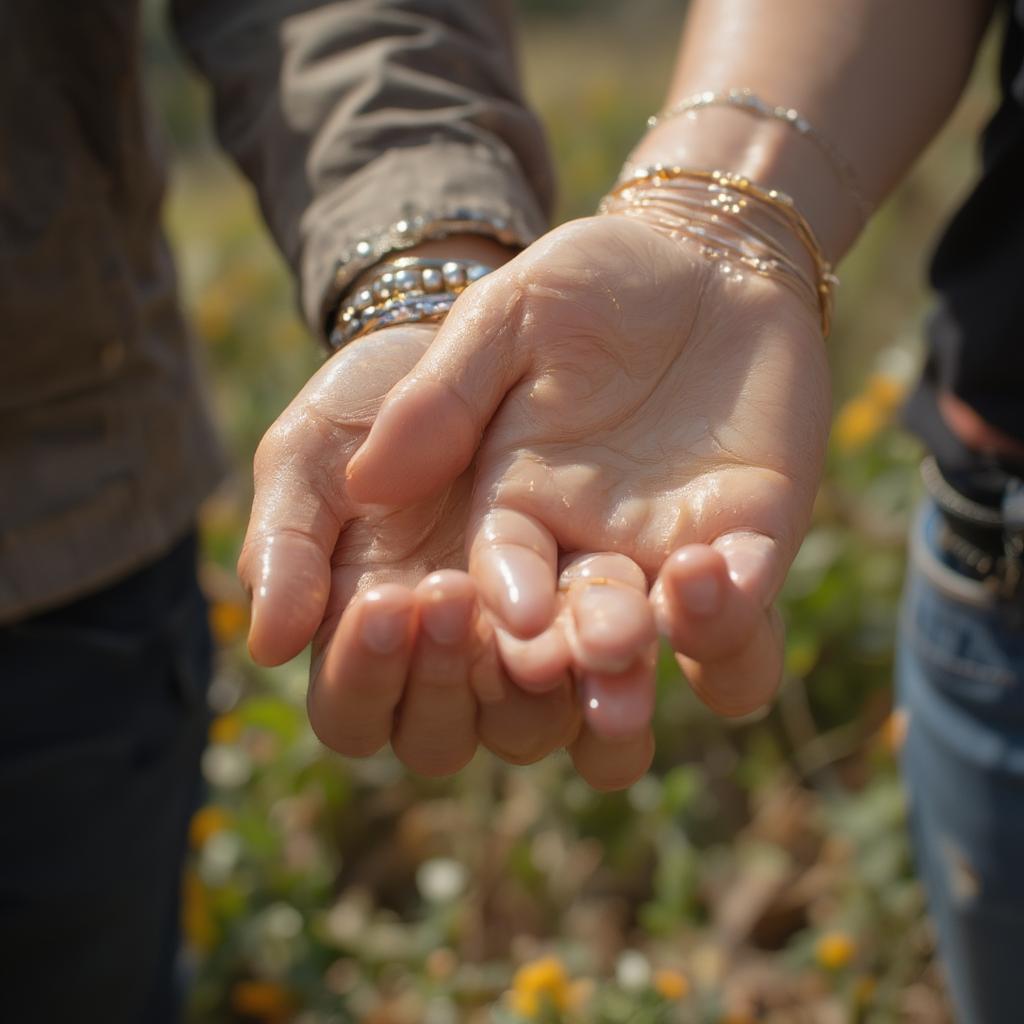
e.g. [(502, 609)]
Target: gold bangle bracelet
[(729, 196)]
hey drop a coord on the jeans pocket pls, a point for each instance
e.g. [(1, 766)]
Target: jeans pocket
[(970, 651)]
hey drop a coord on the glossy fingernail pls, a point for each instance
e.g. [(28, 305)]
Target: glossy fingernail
[(384, 630), (618, 706), (748, 555), (700, 595), (613, 624), (519, 586), (446, 618)]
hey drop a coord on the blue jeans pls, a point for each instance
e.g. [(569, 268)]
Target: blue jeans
[(102, 721), (960, 678)]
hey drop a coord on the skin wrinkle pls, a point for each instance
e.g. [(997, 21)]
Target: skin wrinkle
[(710, 449), (635, 478), (353, 548)]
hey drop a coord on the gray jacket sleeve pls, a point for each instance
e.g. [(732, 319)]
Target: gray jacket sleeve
[(351, 116)]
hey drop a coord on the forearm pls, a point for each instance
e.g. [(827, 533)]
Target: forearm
[(876, 78), (371, 123)]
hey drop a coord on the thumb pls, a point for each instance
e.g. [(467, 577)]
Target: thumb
[(285, 562), (429, 426)]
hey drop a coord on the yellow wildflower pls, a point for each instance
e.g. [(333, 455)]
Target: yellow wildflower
[(206, 823), (671, 984), (885, 390), (539, 983), (266, 1000), (225, 728), (858, 422), (834, 950), (228, 621), (894, 731)]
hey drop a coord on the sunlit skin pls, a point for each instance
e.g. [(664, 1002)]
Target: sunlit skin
[(608, 390), (413, 661), (634, 400)]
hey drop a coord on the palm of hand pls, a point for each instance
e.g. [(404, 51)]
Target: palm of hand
[(647, 403), (318, 562), (664, 405)]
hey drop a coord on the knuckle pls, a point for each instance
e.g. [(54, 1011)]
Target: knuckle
[(270, 447), (432, 764), (738, 701), (529, 749), (344, 742), (338, 733)]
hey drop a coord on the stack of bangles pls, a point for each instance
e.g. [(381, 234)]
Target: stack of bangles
[(734, 222), (404, 291)]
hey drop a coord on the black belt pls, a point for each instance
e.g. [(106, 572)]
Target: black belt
[(985, 541)]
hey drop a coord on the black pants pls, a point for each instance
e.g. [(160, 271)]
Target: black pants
[(102, 722)]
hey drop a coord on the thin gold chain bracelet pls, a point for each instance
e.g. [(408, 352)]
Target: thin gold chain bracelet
[(749, 102)]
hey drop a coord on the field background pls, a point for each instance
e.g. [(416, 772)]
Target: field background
[(759, 872)]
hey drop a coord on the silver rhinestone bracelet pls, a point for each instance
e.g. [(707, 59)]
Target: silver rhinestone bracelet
[(405, 290), (407, 232)]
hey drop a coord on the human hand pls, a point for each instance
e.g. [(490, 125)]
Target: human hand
[(400, 651), (635, 399)]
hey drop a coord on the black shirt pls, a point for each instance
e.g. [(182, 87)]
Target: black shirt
[(975, 335)]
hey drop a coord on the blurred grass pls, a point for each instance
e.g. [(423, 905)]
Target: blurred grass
[(761, 866)]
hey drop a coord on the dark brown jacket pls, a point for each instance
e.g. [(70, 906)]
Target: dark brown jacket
[(346, 115)]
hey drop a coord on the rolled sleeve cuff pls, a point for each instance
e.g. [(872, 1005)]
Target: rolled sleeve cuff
[(407, 195)]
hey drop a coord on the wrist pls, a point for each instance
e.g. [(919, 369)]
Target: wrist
[(418, 285), (735, 223), (486, 250), (767, 152)]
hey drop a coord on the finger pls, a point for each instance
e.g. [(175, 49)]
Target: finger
[(539, 664), (699, 607), (521, 727), (713, 604), (300, 503), (747, 680), (612, 620), (617, 706), (285, 559), (609, 766), (357, 680), (430, 425), (435, 723), (299, 509), (513, 558)]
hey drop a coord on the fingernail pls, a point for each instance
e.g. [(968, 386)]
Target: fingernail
[(384, 630), (596, 606), (352, 469), (446, 619), (699, 595), (613, 625), (617, 706), (747, 555), (520, 588)]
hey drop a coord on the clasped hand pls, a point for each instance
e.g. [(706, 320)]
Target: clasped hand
[(482, 528)]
